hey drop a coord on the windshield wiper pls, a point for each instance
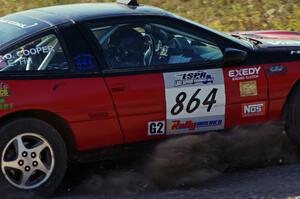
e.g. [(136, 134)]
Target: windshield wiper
[(251, 40)]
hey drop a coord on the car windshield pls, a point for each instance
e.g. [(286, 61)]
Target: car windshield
[(14, 27), (228, 36)]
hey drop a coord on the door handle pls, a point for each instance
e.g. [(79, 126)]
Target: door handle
[(119, 88)]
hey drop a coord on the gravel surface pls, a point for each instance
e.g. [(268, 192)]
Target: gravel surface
[(273, 182), (205, 166)]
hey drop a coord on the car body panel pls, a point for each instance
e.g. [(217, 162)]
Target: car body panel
[(85, 112), (242, 89), (138, 99), (105, 109)]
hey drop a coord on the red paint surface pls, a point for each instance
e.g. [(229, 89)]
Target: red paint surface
[(88, 104), (141, 100), (233, 113), (75, 100)]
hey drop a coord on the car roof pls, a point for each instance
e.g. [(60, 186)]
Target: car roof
[(56, 15)]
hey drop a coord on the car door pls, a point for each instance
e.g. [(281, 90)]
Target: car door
[(164, 79)]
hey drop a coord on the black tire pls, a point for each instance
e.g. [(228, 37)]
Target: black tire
[(18, 127), (292, 116)]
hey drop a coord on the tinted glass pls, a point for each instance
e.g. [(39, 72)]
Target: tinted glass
[(43, 54), (15, 27), (143, 45)]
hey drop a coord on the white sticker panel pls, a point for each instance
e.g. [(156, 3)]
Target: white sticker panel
[(195, 100)]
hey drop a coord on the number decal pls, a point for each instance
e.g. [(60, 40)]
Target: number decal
[(210, 100), (189, 108), (195, 101), (179, 106), (156, 128)]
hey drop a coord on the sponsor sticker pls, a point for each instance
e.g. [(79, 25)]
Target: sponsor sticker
[(253, 109), (191, 125), (85, 61), (273, 70), (156, 128), (197, 77), (244, 73), (4, 93), (248, 88)]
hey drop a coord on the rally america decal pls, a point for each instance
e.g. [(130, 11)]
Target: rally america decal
[(195, 101)]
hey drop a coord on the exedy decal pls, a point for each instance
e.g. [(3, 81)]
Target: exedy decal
[(198, 77), (244, 73)]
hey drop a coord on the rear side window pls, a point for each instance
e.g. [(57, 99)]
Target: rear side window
[(43, 54)]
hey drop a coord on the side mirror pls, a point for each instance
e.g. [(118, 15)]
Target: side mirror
[(234, 56)]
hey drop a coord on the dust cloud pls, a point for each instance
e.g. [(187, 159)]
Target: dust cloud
[(189, 161), (193, 159)]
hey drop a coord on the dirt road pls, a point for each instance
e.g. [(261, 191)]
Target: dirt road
[(268, 183), (252, 162)]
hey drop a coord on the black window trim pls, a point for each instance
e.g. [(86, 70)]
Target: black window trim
[(164, 20)]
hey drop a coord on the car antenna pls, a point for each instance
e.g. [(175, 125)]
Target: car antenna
[(128, 2)]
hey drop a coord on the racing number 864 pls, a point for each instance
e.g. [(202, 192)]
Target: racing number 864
[(194, 102)]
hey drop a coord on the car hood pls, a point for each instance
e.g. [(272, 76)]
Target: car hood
[(274, 38)]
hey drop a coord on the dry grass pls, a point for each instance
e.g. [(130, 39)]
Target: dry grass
[(226, 15)]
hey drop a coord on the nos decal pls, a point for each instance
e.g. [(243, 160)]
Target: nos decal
[(195, 101)]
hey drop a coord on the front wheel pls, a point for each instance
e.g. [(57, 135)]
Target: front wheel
[(33, 157)]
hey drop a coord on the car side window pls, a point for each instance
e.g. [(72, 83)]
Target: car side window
[(143, 45), (43, 54)]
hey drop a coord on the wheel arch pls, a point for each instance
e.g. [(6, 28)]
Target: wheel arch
[(59, 123), (294, 89)]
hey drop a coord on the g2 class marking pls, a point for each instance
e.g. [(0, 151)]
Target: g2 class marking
[(156, 128)]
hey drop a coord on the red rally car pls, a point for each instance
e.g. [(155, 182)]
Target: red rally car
[(88, 76)]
